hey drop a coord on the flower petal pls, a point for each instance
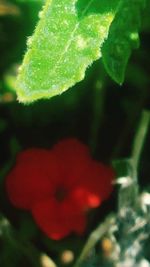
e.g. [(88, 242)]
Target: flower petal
[(33, 155), (71, 149), (73, 158), (100, 179), (58, 220), (95, 185), (29, 180), (85, 198)]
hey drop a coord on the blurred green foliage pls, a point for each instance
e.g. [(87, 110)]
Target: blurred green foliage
[(97, 111)]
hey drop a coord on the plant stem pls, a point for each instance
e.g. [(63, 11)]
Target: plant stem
[(129, 188), (25, 248), (94, 237), (140, 138), (99, 92), (127, 194)]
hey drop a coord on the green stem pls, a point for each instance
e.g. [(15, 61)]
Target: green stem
[(129, 189), (25, 248), (97, 109), (140, 138), (127, 195), (94, 237)]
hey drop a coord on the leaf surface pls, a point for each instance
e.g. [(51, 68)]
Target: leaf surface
[(122, 38), (66, 41)]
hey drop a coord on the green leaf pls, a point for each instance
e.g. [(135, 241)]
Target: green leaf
[(66, 41), (123, 37)]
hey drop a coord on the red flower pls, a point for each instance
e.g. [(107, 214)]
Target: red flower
[(58, 186)]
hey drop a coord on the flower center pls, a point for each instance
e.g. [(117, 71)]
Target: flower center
[(60, 193)]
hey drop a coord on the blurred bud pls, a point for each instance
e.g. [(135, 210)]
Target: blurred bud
[(67, 257), (46, 261), (8, 9), (107, 246)]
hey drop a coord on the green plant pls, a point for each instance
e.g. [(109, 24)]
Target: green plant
[(74, 68)]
